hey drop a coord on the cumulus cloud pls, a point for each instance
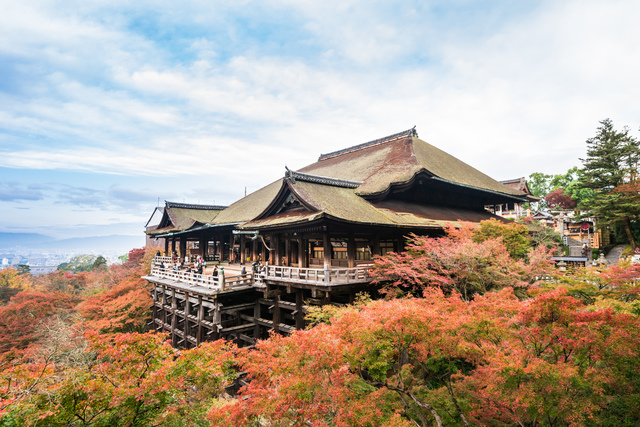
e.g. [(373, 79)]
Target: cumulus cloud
[(15, 192), (199, 101)]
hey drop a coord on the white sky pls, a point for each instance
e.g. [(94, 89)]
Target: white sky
[(107, 107)]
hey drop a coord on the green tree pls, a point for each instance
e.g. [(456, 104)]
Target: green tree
[(610, 171), (542, 185), (80, 263)]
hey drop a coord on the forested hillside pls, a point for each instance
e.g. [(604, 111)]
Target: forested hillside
[(476, 328)]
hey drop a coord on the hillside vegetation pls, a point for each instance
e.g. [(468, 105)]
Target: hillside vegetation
[(476, 329)]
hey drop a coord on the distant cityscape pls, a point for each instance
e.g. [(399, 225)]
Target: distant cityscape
[(45, 255)]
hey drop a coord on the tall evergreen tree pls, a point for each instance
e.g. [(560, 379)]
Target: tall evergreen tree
[(611, 171)]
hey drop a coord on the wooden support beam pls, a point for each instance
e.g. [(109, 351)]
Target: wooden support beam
[(351, 251), (174, 316), (256, 315), (326, 244), (299, 313), (186, 316), (276, 314), (200, 319)]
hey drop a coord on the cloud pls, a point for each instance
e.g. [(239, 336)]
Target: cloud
[(14, 192), (197, 101)]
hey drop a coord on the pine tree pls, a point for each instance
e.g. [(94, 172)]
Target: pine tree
[(611, 171)]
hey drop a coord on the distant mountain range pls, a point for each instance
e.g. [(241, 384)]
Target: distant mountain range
[(97, 243)]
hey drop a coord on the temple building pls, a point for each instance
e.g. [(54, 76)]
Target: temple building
[(315, 231)]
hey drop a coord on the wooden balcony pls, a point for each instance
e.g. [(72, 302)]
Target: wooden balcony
[(317, 277), (198, 283), (208, 284)]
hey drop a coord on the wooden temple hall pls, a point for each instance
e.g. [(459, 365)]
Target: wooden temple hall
[(313, 232)]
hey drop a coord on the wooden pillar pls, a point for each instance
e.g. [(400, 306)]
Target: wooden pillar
[(287, 251), (326, 244), (256, 316), (155, 305), (276, 249), (204, 249), (164, 307), (263, 249), (185, 328), (299, 314), (375, 245), (174, 317), (217, 321), (173, 245), (242, 249), (351, 251), (183, 247), (276, 313), (220, 248), (166, 246), (254, 250), (232, 245), (302, 252), (200, 319)]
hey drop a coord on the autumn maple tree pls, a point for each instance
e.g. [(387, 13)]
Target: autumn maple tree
[(469, 260)]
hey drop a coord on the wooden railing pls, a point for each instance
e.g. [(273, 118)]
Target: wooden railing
[(216, 283), (313, 276), (333, 276), (166, 259)]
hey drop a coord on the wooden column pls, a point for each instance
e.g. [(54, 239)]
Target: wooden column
[(276, 313), (299, 314), (217, 321), (164, 307), (351, 251), (155, 305), (276, 250), (242, 249), (287, 251), (220, 244), (375, 245), (183, 247), (200, 319), (263, 249), (185, 328), (302, 252), (174, 317), (173, 245), (166, 246), (254, 250), (232, 245), (204, 247), (256, 316), (326, 244)]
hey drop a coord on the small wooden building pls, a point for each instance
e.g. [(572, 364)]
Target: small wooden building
[(316, 231)]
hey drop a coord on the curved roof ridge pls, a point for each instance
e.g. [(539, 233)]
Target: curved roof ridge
[(407, 133), (317, 179), (194, 206)]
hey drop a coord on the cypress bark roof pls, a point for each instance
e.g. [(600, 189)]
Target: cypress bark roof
[(182, 216), (352, 185)]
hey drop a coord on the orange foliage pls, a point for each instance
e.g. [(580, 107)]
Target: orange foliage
[(123, 308), (23, 320)]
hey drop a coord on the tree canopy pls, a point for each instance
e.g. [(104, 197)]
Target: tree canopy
[(610, 171)]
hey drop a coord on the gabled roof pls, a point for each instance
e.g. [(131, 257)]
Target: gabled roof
[(397, 158), (337, 202), (521, 185), (352, 184), (155, 217), (183, 216)]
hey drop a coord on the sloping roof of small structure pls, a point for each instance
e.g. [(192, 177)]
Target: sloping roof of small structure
[(521, 185), (338, 183), (183, 216)]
